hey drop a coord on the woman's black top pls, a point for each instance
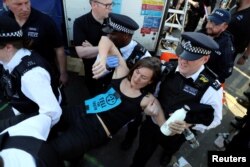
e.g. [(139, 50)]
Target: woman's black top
[(119, 116)]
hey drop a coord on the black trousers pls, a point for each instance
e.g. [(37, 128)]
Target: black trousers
[(78, 133), (150, 137), (133, 128), (241, 142)]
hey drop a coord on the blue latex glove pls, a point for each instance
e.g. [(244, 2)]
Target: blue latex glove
[(112, 62)]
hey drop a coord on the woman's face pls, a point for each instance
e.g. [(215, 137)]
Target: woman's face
[(141, 77)]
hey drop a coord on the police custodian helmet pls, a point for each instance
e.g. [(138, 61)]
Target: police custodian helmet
[(120, 23), (196, 45), (9, 30)]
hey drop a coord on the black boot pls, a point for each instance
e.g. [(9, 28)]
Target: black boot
[(242, 101), (238, 122)]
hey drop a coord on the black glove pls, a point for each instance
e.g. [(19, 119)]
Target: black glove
[(200, 114)]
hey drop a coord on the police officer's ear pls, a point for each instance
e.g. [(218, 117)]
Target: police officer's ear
[(224, 26), (205, 59), (127, 37)]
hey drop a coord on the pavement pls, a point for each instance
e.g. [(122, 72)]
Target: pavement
[(111, 155)]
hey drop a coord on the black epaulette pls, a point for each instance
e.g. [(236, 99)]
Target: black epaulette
[(27, 64), (216, 85), (32, 61), (136, 55), (167, 68), (207, 78)]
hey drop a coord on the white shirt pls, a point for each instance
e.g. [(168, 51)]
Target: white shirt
[(211, 97), (127, 50), (35, 84), (13, 157)]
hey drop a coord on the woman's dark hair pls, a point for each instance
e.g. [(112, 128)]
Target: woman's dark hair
[(152, 63)]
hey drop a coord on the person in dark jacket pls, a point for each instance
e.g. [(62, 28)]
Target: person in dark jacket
[(34, 99), (221, 61), (27, 79)]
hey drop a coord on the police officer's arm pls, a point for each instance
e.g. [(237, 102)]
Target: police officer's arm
[(244, 56), (193, 3), (31, 127), (152, 107), (62, 64), (86, 52), (214, 98), (8, 122), (107, 48), (200, 114), (35, 84)]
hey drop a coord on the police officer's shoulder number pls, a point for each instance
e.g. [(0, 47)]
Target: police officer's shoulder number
[(216, 85)]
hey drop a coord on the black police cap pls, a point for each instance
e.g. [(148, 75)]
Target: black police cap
[(9, 30), (120, 23), (196, 45)]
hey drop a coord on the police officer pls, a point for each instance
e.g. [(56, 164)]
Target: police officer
[(188, 83), (120, 29), (41, 34), (24, 144), (241, 141), (27, 79), (239, 26), (222, 60)]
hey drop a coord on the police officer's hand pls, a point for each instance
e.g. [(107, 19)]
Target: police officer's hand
[(86, 44), (242, 60), (195, 4), (112, 62), (99, 68), (177, 127), (153, 107), (63, 78)]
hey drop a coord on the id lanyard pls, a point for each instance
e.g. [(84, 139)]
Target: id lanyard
[(102, 102)]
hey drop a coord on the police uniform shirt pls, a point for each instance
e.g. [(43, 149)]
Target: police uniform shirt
[(221, 61), (13, 157), (211, 97), (44, 34), (127, 50), (87, 28), (35, 84)]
